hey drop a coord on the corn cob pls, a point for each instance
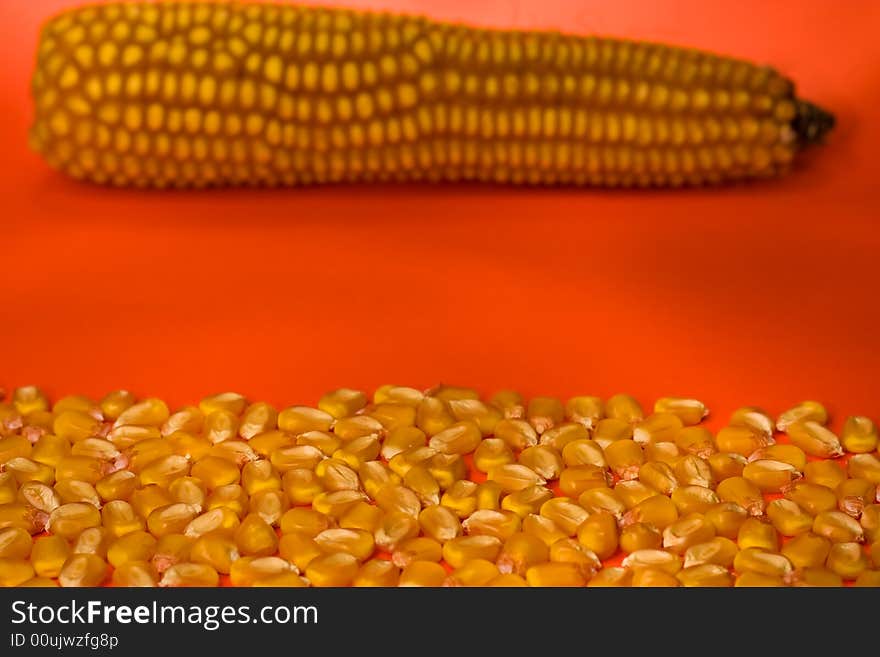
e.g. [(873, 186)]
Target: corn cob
[(196, 94)]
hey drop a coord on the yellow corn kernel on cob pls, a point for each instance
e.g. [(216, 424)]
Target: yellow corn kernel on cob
[(195, 94)]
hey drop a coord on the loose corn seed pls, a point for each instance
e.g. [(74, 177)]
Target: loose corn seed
[(693, 470), (613, 576), (599, 534), (82, 570), (583, 451), (573, 481), (48, 555), (756, 533), (824, 473), (299, 549), (543, 413), (689, 530), (814, 439), (611, 430), (859, 435), (755, 419), (520, 552), (742, 440), (689, 411), (190, 575), (135, 574), (510, 403), (377, 572), (170, 550), (477, 572), (838, 527), (565, 512), (659, 427), (847, 560), (657, 510), (752, 579), (770, 476), (868, 578), (423, 573), (562, 434), (743, 492), (488, 522), (526, 501), (788, 518), (807, 550), (653, 578), (640, 536), (806, 411), (719, 551), (727, 518), (585, 410), (462, 549), (693, 499), (865, 466), (705, 575), (491, 453), (362, 516), (555, 574), (215, 550), (853, 495), (544, 460), (762, 562), (137, 546), (784, 452)]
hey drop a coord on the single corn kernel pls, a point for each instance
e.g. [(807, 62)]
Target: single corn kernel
[(12, 447), (29, 399), (170, 519), (401, 463), (423, 573), (221, 520), (220, 426), (689, 411), (304, 521), (231, 402), (137, 546), (624, 407), (459, 438), (659, 476), (838, 527), (510, 403), (82, 570), (689, 530), (657, 428), (516, 434), (869, 578), (462, 549), (119, 518), (696, 440), (640, 536), (439, 523), (39, 496), (812, 498), (257, 419), (477, 572), (15, 543), (270, 505), (585, 410), (362, 516), (268, 441), (755, 419), (295, 457), (859, 435), (433, 416), (248, 571), (135, 574), (692, 470), (129, 435), (555, 574), (568, 550), (193, 447), (165, 470), (397, 395), (659, 511), (625, 457), (188, 490), (633, 492), (189, 420), (817, 577), (485, 416), (755, 533), (215, 472), (420, 548), (544, 413), (492, 452), (190, 575), (824, 473), (25, 470), (299, 549), (693, 499), (259, 476), (740, 440), (487, 522), (215, 550), (49, 449), (171, 549), (762, 562), (847, 560), (658, 559), (28, 518), (719, 551), (583, 452), (357, 542), (865, 466), (461, 498), (377, 572), (815, 439), (392, 415), (543, 459), (653, 578), (402, 439), (526, 501), (374, 475), (115, 403), (788, 518), (447, 469), (870, 522), (770, 476), (358, 426), (854, 494), (743, 492), (807, 550), (74, 426), (119, 485), (565, 512), (598, 533), (603, 499), (520, 552), (149, 412), (563, 434), (575, 480), (68, 520), (342, 402), (807, 411), (255, 537), (396, 528), (705, 575), (149, 498), (612, 576), (93, 540), (393, 498), (337, 569), (15, 572), (783, 452), (299, 419), (513, 477), (611, 430)]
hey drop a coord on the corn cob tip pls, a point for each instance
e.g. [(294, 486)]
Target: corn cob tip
[(812, 123)]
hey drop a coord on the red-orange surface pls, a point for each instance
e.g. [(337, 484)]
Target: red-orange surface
[(763, 294)]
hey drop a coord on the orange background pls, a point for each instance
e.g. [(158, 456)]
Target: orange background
[(761, 294)]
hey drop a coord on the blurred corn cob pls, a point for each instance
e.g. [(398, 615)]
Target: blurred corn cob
[(192, 94)]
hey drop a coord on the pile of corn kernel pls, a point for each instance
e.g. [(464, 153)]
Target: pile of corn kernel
[(434, 488)]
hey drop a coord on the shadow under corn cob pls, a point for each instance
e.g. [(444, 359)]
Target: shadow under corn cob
[(207, 93)]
